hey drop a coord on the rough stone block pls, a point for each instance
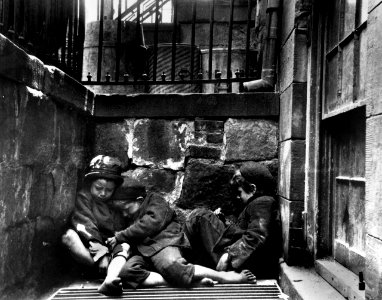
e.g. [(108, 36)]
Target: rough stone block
[(293, 112), (19, 66), (215, 138), (292, 227), (373, 174), (36, 130), (207, 184), (114, 139), (373, 268), (251, 139), (211, 152), (209, 125), (15, 187), (374, 72), (161, 143), (154, 179), (293, 61), (65, 88), (15, 262), (291, 178)]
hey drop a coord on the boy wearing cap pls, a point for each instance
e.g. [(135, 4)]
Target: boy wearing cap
[(250, 243), (156, 238), (94, 219)]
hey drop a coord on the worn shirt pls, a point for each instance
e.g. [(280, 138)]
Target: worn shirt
[(154, 227), (252, 240), (94, 220)]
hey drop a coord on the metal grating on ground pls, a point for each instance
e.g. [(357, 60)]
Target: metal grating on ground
[(219, 291)]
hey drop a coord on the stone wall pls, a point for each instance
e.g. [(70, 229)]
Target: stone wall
[(190, 159), (43, 121)]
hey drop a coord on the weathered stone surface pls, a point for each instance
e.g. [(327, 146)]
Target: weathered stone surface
[(211, 152), (188, 105), (292, 227), (15, 262), (155, 180), (291, 176), (374, 71), (293, 112), (373, 174), (207, 184), (65, 88), (114, 139), (161, 143), (293, 57), (19, 66), (251, 139), (209, 125), (373, 270)]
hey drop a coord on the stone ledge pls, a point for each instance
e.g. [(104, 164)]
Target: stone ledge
[(343, 280), (18, 66), (187, 105), (301, 283)]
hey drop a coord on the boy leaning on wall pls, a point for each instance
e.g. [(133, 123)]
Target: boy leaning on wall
[(156, 241), (94, 219)]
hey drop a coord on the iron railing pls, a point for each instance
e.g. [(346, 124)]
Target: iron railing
[(195, 74), (52, 30)]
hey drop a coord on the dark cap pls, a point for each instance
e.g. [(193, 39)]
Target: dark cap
[(130, 191), (106, 167), (257, 174)]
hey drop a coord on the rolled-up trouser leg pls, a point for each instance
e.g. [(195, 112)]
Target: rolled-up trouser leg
[(204, 229), (170, 263), (135, 271)]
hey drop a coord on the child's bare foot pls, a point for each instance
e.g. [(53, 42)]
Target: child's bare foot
[(244, 276), (111, 287), (204, 282)]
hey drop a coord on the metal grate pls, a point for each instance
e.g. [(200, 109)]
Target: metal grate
[(219, 291)]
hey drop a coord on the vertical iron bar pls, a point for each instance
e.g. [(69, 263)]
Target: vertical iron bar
[(229, 75), (193, 38), (118, 48), (175, 20), (211, 42), (138, 23), (81, 29), (100, 42), (2, 16), (155, 54), (70, 37), (248, 38), (98, 18), (75, 34)]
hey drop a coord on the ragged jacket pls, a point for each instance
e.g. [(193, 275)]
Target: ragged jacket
[(252, 242), (154, 227), (95, 220)]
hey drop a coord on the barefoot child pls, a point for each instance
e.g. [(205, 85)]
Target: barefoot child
[(156, 239), (94, 219)]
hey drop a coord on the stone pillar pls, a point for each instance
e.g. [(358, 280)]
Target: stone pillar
[(293, 94), (373, 208)]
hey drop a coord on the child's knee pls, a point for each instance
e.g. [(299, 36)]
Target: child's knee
[(69, 238)]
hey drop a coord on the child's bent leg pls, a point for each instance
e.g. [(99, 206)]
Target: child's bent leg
[(244, 276), (77, 249)]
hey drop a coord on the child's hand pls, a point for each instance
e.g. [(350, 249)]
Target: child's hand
[(112, 242), (103, 263)]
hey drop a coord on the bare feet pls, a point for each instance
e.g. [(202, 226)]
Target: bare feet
[(111, 287), (204, 282), (244, 276)]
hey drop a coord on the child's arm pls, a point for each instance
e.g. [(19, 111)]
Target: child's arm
[(83, 219), (156, 215)]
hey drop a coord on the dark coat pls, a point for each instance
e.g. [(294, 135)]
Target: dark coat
[(154, 227), (94, 220), (253, 241)]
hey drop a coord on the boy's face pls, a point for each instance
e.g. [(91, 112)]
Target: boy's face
[(129, 209), (102, 189), (242, 195)]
